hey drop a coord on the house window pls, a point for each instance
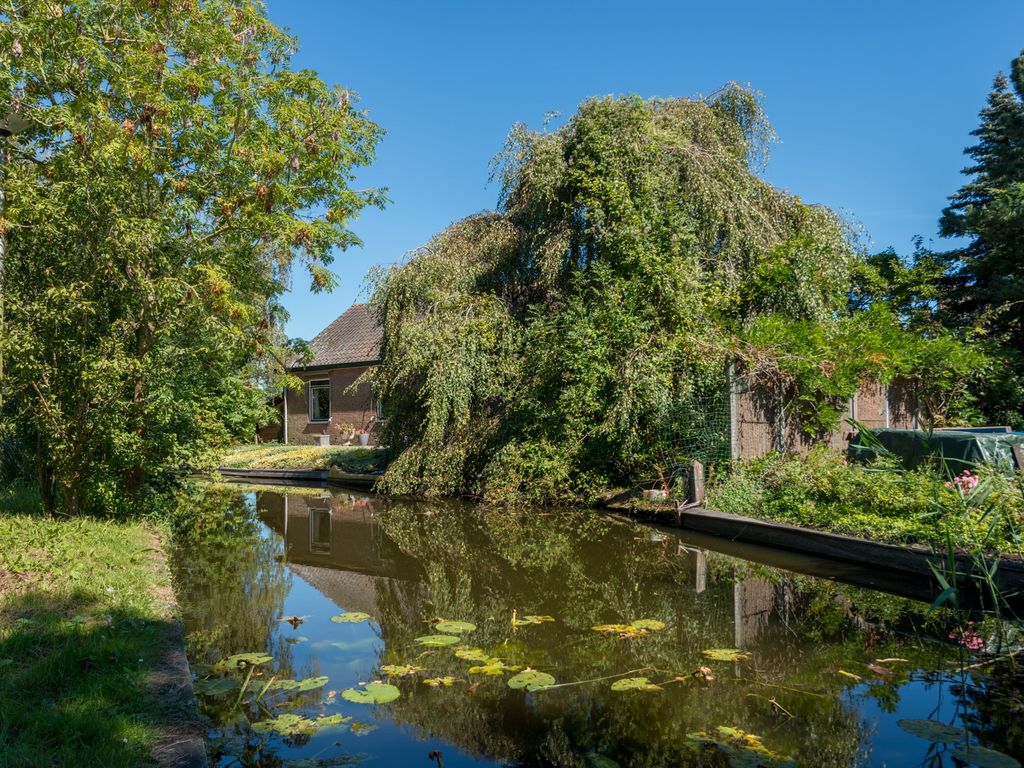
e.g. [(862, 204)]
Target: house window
[(319, 400), (378, 408), (320, 531)]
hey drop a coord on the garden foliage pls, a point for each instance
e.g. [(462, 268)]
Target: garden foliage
[(176, 168), (536, 353)]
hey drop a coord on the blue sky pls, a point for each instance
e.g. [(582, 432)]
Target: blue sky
[(872, 102)]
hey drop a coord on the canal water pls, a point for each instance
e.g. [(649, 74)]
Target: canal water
[(330, 628)]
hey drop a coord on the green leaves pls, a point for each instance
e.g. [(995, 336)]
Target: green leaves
[(400, 670), (295, 725), (531, 680), (454, 627), (638, 628), (163, 158), (242, 661), (472, 654), (438, 640), (300, 686), (725, 654), (371, 693), (634, 684), (526, 621), (352, 617)]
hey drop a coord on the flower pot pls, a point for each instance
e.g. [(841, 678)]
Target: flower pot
[(322, 440), (364, 438)]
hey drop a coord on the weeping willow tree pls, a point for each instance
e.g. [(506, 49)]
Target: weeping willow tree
[(534, 353)]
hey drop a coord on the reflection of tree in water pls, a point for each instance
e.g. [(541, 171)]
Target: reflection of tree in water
[(231, 580), (584, 569)]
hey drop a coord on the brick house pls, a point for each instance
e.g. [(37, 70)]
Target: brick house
[(342, 352)]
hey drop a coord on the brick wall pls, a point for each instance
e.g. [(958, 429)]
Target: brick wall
[(354, 408), (760, 428)]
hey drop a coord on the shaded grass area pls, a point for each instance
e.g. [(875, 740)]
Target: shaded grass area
[(83, 620), (276, 456), (881, 503)]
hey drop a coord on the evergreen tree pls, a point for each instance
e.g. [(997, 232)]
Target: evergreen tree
[(984, 286)]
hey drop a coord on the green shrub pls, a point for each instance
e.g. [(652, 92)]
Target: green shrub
[(880, 501)]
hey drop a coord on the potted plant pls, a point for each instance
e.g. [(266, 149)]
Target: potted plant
[(364, 437)]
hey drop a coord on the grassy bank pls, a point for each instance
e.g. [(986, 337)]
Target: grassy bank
[(276, 456), (875, 502), (85, 619)]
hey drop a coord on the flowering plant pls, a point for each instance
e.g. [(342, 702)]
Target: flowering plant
[(965, 482), (968, 637)]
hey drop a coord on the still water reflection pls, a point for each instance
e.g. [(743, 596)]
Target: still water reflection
[(829, 669)]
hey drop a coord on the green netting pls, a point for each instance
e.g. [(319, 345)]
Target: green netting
[(952, 450), (696, 428)]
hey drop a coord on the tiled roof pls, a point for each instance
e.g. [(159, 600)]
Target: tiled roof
[(352, 338)]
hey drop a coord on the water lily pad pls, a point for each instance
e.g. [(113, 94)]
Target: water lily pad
[(526, 621), (982, 757), (373, 693), (300, 686), (850, 675), (438, 640), (454, 627), (745, 750), (296, 725), (651, 625), (531, 680), (215, 686), (400, 670), (932, 730), (243, 660), (296, 640), (635, 684), (624, 631), (493, 667), (438, 682), (352, 617), (362, 729), (472, 654), (726, 654)]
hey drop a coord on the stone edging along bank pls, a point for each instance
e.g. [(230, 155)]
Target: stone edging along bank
[(182, 740)]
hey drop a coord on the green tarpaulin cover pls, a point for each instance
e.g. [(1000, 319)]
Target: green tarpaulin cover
[(957, 450)]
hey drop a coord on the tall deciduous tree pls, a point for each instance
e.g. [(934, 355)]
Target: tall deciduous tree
[(540, 351), (177, 168)]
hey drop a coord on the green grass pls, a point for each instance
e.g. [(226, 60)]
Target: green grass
[(276, 456), (83, 619)]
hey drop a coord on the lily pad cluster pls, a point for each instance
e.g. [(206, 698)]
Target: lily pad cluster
[(725, 654), (637, 628), (295, 725), (745, 750), (526, 621), (351, 617)]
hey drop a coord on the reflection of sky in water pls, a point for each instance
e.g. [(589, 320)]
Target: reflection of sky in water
[(347, 654), (918, 699), (705, 600)]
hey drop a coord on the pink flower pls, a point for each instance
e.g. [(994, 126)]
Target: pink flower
[(967, 637), (965, 482)]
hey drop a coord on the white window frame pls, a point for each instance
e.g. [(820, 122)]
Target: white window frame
[(318, 384)]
